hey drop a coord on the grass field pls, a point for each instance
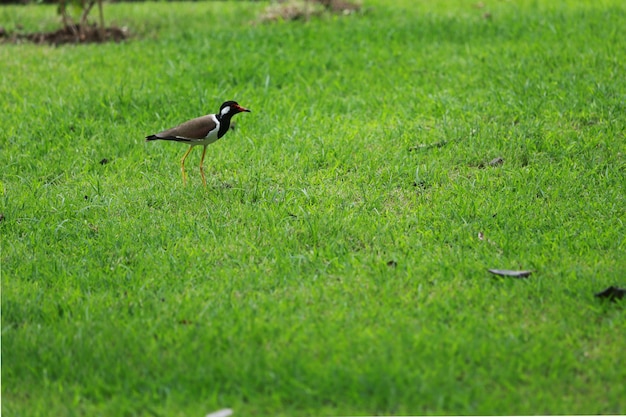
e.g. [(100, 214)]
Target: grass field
[(336, 264)]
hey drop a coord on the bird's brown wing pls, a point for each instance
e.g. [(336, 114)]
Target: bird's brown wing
[(197, 128)]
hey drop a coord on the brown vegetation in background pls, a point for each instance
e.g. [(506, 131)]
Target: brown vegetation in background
[(76, 29), (68, 34), (305, 9)]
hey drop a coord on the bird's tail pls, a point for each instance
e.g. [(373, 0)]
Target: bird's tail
[(173, 138)]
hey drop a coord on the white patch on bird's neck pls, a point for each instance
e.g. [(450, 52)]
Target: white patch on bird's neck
[(225, 110)]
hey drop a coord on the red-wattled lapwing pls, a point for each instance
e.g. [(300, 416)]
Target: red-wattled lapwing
[(201, 131)]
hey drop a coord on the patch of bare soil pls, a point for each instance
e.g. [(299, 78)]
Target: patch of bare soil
[(304, 9), (340, 6), (70, 34)]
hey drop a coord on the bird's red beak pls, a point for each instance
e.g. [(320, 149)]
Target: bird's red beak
[(243, 109)]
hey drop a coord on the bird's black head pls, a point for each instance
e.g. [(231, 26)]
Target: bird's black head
[(230, 108)]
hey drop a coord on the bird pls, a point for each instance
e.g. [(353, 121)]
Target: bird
[(202, 130)]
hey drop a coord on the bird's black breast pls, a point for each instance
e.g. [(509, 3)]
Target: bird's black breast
[(224, 126)]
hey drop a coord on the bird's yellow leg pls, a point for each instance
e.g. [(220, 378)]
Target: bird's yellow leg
[(182, 165), (201, 165)]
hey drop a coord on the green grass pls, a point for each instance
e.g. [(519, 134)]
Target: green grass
[(126, 293)]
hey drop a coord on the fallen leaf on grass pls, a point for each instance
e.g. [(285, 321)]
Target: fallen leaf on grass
[(225, 412), (612, 293), (496, 161), (510, 273), (421, 146)]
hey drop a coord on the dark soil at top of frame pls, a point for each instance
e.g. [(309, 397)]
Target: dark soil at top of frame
[(68, 35)]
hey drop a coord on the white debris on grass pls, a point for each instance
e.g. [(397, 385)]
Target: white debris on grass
[(225, 412)]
